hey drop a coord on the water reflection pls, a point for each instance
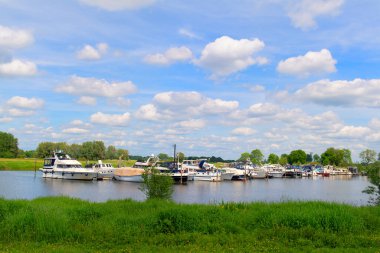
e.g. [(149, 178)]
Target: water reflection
[(343, 189)]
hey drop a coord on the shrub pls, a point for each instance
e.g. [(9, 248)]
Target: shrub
[(157, 185)]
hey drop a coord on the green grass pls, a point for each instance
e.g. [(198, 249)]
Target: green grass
[(22, 164), (61, 224)]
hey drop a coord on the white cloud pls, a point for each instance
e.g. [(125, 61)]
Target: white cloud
[(77, 122), (309, 64), (120, 101), (176, 99), (227, 56), (14, 38), (303, 13), (18, 68), (83, 86), (374, 123), (243, 131), (118, 5), (192, 103), (20, 113), (27, 103), (111, 119), (192, 124), (263, 109), (215, 106), (85, 100), (148, 112), (187, 33), (172, 55), (75, 130), (358, 92), (5, 119), (89, 52), (352, 132)]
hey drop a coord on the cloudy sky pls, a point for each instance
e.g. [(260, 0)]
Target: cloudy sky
[(215, 77)]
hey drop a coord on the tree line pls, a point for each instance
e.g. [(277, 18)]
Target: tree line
[(332, 156)]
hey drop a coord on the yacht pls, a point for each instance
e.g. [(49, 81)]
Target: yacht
[(134, 173), (104, 170), (62, 166), (274, 170)]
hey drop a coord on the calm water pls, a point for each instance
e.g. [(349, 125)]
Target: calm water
[(343, 189)]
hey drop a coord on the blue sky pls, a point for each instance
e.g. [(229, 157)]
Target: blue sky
[(215, 77)]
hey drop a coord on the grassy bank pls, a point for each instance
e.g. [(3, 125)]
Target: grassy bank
[(30, 164), (70, 225)]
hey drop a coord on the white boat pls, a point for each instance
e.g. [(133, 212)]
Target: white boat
[(237, 174), (274, 170), (104, 170), (134, 174), (129, 174), (206, 175), (62, 166)]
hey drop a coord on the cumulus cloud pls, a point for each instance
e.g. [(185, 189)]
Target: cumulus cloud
[(83, 86), (75, 130), (14, 38), (358, 92), (18, 68), (352, 132), (90, 53), (85, 100), (263, 109), (111, 119), (27, 103), (309, 64), (243, 131), (226, 56), (171, 98), (20, 113), (192, 124), (118, 5), (172, 55), (148, 112), (193, 102), (303, 13)]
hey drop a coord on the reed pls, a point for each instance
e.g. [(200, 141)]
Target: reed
[(65, 224)]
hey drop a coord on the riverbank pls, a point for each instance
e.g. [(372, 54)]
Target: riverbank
[(71, 225), (25, 164)]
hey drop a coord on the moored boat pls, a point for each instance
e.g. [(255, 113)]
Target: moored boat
[(62, 166)]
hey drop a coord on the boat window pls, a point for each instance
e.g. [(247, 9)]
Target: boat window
[(49, 162)]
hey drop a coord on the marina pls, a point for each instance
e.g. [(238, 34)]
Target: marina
[(339, 189)]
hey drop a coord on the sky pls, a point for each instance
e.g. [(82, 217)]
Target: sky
[(214, 77)]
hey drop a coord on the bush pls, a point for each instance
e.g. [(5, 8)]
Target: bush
[(157, 185)]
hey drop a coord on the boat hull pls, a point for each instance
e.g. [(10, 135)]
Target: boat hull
[(135, 178)]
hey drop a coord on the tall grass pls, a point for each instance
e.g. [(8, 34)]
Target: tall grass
[(126, 225)]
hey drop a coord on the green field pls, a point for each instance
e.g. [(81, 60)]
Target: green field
[(60, 224), (31, 164)]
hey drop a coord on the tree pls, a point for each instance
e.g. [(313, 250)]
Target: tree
[(368, 156), (297, 157), (309, 157), (8, 145), (273, 158), (257, 156), (316, 158), (157, 185), (163, 157), (373, 171), (283, 159), (336, 157), (45, 149), (347, 160), (123, 153), (111, 153), (378, 157), (245, 157), (180, 156), (75, 151)]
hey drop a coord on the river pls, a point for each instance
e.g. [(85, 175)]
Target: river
[(340, 189)]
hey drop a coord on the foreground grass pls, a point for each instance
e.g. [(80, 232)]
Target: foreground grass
[(60, 224), (22, 164)]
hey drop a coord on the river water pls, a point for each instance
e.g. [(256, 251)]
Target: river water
[(341, 189)]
